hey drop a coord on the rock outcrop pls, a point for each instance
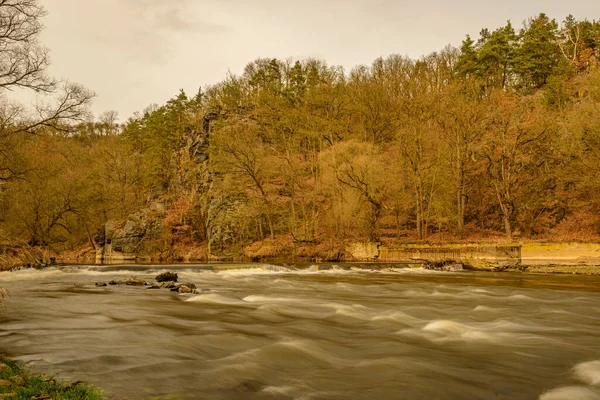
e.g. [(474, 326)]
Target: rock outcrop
[(136, 237)]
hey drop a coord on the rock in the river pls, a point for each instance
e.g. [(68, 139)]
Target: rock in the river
[(135, 282), (167, 277), (154, 287), (100, 283), (185, 289), (113, 282), (169, 285), (190, 285)]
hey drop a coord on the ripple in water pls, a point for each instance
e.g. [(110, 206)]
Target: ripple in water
[(261, 333)]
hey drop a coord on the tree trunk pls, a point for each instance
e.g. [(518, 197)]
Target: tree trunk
[(420, 207), (460, 196), (507, 210), (507, 226), (270, 223)]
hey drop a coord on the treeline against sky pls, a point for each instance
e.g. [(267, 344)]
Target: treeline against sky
[(497, 139)]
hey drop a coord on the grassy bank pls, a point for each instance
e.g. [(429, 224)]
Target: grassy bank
[(17, 383)]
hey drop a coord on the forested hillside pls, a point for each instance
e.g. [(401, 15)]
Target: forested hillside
[(498, 139)]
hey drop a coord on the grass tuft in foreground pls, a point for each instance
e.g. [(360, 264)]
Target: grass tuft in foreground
[(19, 384)]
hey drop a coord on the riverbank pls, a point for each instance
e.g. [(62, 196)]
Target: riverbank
[(532, 257), (17, 383)]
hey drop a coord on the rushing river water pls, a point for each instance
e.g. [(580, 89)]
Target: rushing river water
[(260, 334)]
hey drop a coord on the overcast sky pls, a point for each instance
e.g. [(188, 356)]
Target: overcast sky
[(133, 53)]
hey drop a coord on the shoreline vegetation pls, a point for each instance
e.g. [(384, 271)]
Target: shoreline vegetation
[(494, 141), (17, 383)]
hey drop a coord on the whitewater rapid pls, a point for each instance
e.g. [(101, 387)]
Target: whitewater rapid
[(274, 332)]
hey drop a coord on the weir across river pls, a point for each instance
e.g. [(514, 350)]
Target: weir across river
[(476, 256)]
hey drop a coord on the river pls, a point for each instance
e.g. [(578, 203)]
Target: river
[(257, 333)]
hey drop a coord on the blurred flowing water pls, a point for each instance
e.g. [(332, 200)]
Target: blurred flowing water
[(270, 333)]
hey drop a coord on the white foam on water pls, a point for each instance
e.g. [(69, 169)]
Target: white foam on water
[(415, 293), (446, 326), (521, 297), (485, 308), (451, 330), (357, 311), (571, 393), (255, 298), (306, 308), (217, 299), (503, 325), (588, 372), (29, 273), (444, 331), (333, 272), (94, 272), (249, 271), (282, 351), (279, 390)]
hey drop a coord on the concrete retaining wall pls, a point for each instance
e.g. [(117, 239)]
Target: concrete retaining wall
[(477, 256)]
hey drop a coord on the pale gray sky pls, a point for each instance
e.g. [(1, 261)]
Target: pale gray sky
[(136, 52)]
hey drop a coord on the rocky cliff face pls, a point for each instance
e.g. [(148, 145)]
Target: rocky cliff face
[(139, 236)]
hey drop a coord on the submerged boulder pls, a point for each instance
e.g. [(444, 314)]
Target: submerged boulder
[(135, 282), (184, 289), (167, 277)]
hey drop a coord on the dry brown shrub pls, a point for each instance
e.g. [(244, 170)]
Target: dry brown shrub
[(270, 248), (578, 227)]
